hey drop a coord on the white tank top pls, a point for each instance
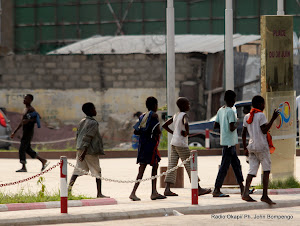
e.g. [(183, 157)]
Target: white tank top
[(177, 139)]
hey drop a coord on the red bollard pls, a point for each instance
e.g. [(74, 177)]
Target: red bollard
[(207, 146), (194, 178), (63, 185)]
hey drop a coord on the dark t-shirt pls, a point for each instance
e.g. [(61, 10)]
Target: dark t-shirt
[(28, 128), (148, 142)]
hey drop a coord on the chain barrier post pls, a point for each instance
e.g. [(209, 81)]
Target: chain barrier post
[(207, 146), (63, 185), (194, 177)]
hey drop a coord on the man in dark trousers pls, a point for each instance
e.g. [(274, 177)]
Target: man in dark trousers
[(29, 118)]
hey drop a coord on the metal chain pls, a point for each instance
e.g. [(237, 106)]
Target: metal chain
[(212, 132), (102, 178), (132, 181), (30, 178), (41, 142)]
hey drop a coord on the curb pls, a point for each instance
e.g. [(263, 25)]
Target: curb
[(112, 201), (160, 212), (288, 191), (56, 204)]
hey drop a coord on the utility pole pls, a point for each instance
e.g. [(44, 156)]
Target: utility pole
[(229, 60), (170, 65), (280, 7)]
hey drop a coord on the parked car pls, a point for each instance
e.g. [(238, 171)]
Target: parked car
[(5, 130), (197, 129)]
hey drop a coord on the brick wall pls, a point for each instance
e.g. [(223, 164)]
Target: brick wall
[(97, 72), (115, 83)]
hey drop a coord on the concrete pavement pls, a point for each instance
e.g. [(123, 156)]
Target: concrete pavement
[(126, 169), (130, 210)]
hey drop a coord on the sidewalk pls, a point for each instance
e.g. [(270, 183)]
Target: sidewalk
[(126, 169)]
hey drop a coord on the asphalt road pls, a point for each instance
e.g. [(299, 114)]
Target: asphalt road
[(274, 217)]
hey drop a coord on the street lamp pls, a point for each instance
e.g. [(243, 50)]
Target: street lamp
[(229, 60), (170, 65)]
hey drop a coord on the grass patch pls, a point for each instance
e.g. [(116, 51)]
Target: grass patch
[(290, 182), (29, 197), (41, 196), (197, 148)]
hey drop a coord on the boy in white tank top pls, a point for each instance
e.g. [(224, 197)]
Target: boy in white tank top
[(179, 145), (259, 147)]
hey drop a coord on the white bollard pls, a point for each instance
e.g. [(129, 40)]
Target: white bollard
[(207, 146), (63, 185), (194, 178)]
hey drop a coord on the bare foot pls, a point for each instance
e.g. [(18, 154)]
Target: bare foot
[(157, 196), (169, 193), (134, 198), (102, 196), (247, 198), (267, 200), (204, 191)]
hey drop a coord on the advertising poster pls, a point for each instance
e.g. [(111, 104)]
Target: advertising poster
[(284, 126)]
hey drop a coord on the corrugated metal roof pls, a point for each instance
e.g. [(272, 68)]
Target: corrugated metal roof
[(151, 44)]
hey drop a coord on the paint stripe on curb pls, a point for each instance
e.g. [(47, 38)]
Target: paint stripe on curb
[(56, 204), (97, 202), (25, 206), (288, 191), (284, 191)]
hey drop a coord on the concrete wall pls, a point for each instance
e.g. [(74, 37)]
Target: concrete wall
[(115, 83), (64, 106)]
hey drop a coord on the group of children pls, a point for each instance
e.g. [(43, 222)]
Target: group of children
[(258, 148), (89, 145)]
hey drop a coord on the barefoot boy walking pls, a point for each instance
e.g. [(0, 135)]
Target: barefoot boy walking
[(89, 147), (149, 132), (258, 149), (179, 145)]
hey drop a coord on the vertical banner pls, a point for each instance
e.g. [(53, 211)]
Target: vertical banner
[(277, 87), (276, 53)]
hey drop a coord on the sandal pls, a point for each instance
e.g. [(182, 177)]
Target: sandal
[(252, 191), (220, 195), (205, 191), (45, 165), (170, 194), (159, 197)]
